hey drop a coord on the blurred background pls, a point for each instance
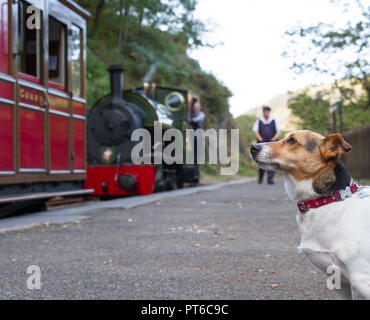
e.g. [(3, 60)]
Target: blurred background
[(307, 60)]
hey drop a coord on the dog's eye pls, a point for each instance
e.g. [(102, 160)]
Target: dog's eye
[(292, 140)]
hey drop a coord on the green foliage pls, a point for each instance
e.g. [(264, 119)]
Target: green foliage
[(245, 124), (210, 169), (140, 34), (146, 45), (340, 51), (313, 113), (98, 76), (356, 115)]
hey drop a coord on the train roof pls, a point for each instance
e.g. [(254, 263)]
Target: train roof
[(77, 8)]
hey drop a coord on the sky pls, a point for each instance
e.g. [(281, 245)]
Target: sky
[(249, 61)]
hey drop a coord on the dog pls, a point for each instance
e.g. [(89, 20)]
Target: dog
[(334, 211)]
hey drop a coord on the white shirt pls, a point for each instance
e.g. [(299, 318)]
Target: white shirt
[(264, 121), (200, 117)]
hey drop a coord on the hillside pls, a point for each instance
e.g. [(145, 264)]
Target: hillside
[(149, 35), (281, 111), (151, 38)]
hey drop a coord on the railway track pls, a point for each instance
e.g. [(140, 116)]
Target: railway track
[(61, 202), (31, 206), (55, 202)]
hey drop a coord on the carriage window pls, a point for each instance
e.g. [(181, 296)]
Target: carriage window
[(57, 52), (76, 61), (4, 36), (29, 41)]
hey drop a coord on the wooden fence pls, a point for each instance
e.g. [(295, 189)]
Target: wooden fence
[(358, 160)]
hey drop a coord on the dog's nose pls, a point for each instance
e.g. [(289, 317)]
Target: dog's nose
[(255, 148)]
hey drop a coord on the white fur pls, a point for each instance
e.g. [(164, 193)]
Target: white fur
[(265, 154), (299, 190), (264, 157), (336, 234)]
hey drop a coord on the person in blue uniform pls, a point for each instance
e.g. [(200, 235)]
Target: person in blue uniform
[(196, 120), (197, 116), (266, 129)]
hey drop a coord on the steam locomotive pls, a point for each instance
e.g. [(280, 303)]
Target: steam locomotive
[(110, 124)]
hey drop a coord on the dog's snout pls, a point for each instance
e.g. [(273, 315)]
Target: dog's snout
[(255, 148)]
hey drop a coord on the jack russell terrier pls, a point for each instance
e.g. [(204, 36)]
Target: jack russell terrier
[(334, 211)]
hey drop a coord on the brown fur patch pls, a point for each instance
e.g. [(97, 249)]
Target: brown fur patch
[(309, 156), (323, 182), (311, 145), (300, 161), (333, 146)]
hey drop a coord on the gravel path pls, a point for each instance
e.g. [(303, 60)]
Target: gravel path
[(237, 242)]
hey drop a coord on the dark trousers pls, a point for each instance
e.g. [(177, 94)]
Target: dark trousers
[(270, 174), (196, 165)]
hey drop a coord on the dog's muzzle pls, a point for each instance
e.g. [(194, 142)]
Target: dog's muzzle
[(255, 149), (261, 154)]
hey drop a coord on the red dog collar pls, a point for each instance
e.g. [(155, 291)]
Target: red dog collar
[(304, 206)]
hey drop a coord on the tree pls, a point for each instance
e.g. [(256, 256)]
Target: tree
[(124, 11), (312, 111), (98, 12), (153, 12), (245, 123), (144, 33), (341, 51)]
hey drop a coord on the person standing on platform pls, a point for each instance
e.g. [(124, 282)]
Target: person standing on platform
[(266, 129), (196, 120)]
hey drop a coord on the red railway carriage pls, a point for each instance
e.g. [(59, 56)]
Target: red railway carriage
[(42, 99)]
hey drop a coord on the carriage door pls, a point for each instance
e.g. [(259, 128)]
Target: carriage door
[(6, 95), (66, 90), (59, 101), (30, 89), (77, 58)]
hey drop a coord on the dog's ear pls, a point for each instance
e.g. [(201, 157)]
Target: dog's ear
[(333, 146)]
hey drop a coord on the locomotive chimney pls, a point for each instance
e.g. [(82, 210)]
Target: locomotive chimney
[(116, 81)]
